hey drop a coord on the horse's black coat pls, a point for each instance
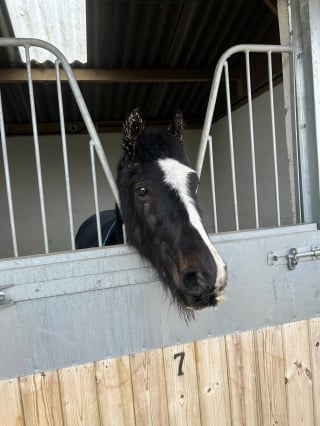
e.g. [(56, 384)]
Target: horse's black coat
[(157, 217)]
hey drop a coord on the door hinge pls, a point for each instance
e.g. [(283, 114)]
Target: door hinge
[(293, 257), (4, 300)]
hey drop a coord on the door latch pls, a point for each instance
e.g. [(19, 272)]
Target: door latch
[(293, 256), (4, 300)]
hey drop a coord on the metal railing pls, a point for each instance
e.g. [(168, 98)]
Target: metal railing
[(96, 148), (221, 74)]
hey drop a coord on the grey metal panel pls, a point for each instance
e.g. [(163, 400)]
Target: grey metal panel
[(305, 21), (78, 307)]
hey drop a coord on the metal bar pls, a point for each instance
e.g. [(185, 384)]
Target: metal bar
[(213, 186), (253, 158), (65, 155), (286, 35), (95, 191), (274, 140), (233, 170), (305, 26), (37, 151), (8, 180), (296, 144), (124, 234)]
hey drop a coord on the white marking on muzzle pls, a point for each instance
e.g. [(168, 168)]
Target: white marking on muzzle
[(176, 177)]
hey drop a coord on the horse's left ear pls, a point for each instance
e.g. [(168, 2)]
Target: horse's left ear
[(176, 128), (132, 129)]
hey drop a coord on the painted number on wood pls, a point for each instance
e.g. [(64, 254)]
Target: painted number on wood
[(180, 355)]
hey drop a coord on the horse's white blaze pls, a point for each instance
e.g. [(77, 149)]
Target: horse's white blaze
[(176, 177)]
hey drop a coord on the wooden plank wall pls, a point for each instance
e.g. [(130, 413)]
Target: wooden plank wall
[(269, 376)]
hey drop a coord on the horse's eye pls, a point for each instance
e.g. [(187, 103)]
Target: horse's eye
[(141, 191)]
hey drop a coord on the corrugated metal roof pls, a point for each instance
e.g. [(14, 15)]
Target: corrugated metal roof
[(51, 21), (146, 35)]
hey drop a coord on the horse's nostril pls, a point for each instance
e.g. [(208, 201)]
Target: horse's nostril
[(189, 278)]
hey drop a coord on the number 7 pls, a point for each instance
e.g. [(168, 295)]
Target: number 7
[(181, 355)]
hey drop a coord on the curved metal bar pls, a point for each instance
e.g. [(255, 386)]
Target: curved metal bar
[(257, 48)]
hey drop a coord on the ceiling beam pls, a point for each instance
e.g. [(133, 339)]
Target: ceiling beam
[(18, 75), (78, 127), (272, 5)]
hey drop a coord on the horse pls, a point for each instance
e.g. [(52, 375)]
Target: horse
[(159, 209)]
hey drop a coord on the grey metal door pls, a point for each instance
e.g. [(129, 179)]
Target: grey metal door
[(72, 308)]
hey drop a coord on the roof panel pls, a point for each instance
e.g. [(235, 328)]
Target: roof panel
[(149, 35)]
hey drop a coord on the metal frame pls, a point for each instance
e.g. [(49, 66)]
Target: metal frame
[(305, 16), (221, 71), (95, 144)]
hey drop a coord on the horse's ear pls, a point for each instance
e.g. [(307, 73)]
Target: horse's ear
[(132, 129), (176, 128)]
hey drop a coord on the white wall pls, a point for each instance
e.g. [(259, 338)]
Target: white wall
[(26, 198)]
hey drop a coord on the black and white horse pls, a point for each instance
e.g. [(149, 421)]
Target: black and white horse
[(158, 203)]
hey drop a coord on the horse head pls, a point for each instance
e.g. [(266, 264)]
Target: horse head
[(159, 207)]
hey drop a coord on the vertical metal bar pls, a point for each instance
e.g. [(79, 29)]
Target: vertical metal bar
[(296, 138), (95, 191), (253, 158), (37, 150), (8, 180), (213, 186), (305, 23), (274, 141), (65, 154), (124, 234), (231, 145), (209, 115)]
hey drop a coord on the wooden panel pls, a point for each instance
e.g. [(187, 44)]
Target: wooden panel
[(41, 399), (271, 375), (11, 413), (149, 388), (314, 327), (298, 373), (213, 382), (115, 392), (267, 377), (79, 396), (17, 75), (244, 396), (182, 387)]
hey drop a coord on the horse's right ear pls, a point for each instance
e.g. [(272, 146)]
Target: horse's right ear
[(132, 129), (176, 128)]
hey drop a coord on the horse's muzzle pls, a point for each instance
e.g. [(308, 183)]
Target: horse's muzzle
[(199, 291)]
